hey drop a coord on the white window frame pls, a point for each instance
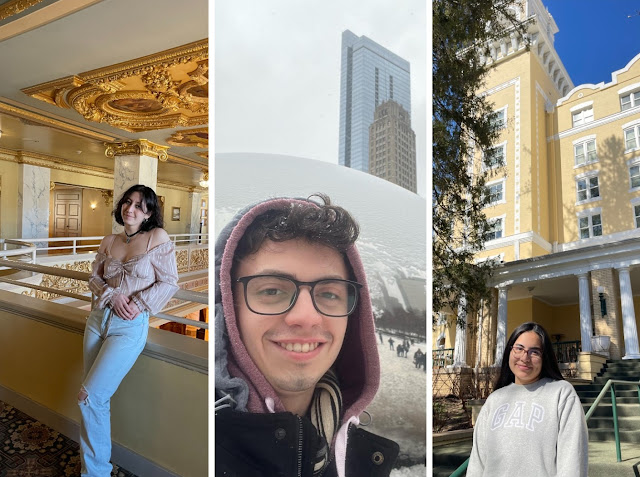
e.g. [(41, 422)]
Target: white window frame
[(492, 221), (503, 146), (635, 202), (629, 97), (634, 127), (633, 163), (587, 176), (581, 114), (589, 214), (503, 123), (584, 141), (503, 182)]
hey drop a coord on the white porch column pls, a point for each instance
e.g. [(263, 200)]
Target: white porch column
[(501, 333), (630, 330), (135, 162), (586, 328), (460, 348)]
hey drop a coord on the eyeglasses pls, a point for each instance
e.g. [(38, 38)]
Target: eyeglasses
[(275, 294), (535, 354)]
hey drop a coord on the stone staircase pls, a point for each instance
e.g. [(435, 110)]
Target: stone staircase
[(627, 402)]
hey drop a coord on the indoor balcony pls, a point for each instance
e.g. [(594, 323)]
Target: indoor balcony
[(159, 413)]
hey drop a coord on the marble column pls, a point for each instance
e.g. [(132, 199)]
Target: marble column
[(33, 201), (501, 332), (135, 162), (460, 348), (193, 227), (629, 327), (586, 328)]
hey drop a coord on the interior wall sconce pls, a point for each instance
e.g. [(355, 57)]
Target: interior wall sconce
[(603, 301), (93, 206)]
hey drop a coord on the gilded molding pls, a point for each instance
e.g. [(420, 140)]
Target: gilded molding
[(190, 138), (164, 90), (188, 162), (199, 259), (182, 260), (52, 162), (64, 126), (70, 285), (204, 155), (138, 147), (13, 7), (107, 196)]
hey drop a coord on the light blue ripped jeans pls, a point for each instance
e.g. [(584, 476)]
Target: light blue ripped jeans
[(111, 347)]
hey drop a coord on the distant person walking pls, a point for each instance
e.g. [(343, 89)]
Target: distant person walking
[(380, 334), (417, 356), (391, 341)]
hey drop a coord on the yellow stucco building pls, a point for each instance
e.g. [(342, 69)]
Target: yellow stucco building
[(565, 205)]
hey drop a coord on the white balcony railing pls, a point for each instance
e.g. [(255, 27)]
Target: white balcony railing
[(24, 255)]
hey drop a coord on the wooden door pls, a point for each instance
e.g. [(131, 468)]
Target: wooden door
[(67, 207)]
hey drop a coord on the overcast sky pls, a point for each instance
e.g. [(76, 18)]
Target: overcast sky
[(277, 71)]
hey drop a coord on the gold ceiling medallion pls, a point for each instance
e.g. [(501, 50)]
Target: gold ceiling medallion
[(190, 138), (165, 90), (139, 147), (13, 7)]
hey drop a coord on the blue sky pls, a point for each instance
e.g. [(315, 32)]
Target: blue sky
[(595, 37)]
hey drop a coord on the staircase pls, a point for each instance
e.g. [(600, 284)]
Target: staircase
[(627, 402)]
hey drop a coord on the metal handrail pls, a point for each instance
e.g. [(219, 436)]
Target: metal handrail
[(609, 384), (186, 295)]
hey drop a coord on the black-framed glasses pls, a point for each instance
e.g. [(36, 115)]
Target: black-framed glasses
[(535, 354), (276, 294)]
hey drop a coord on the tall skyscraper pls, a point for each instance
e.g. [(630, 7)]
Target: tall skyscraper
[(392, 146), (370, 75)]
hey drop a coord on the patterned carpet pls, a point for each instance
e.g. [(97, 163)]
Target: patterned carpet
[(31, 449)]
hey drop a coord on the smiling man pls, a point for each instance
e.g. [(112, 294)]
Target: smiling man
[(296, 360)]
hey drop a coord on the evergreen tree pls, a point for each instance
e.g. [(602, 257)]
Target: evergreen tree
[(464, 126)]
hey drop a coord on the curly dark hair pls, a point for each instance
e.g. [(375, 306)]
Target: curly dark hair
[(151, 203), (550, 367), (321, 223)]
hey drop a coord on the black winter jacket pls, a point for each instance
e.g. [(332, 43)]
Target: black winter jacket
[(284, 444)]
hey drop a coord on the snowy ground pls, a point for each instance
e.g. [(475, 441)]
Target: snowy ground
[(399, 410)]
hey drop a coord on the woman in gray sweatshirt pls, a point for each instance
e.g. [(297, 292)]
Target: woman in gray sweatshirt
[(533, 423)]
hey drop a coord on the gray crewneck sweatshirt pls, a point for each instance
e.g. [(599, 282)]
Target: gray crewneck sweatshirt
[(532, 430)]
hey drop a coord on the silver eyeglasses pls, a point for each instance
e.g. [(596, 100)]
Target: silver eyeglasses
[(535, 354), (276, 294)]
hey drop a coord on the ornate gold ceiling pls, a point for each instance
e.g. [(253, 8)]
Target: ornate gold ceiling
[(189, 138), (13, 7), (164, 90)]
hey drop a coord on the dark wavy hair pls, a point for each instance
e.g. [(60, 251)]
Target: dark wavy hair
[(321, 223), (550, 367), (151, 203)]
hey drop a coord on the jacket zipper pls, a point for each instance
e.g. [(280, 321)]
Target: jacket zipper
[(299, 446)]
